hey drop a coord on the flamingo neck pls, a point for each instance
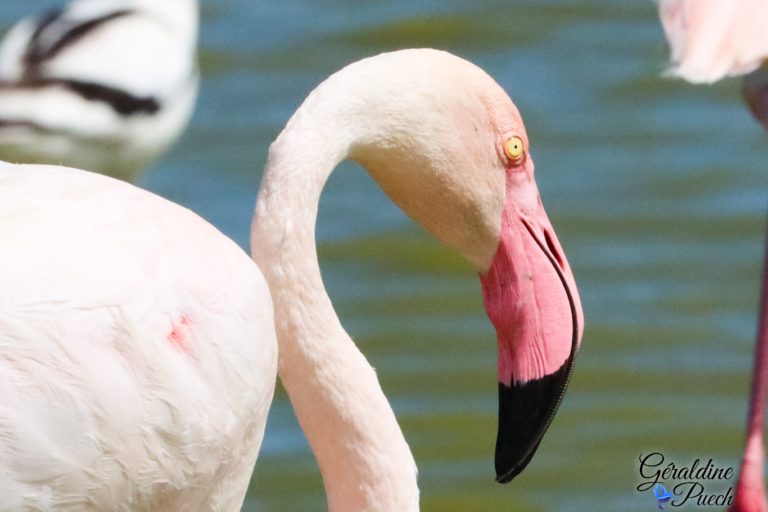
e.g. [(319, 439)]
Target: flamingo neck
[(760, 383), (363, 457), (750, 488)]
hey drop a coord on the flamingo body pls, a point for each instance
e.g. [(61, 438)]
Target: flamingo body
[(105, 86), (709, 40), (137, 344), (712, 39), (137, 350)]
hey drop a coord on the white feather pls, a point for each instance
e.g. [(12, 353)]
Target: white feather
[(148, 53), (712, 39), (100, 410)]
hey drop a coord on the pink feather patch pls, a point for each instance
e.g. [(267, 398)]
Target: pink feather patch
[(179, 335)]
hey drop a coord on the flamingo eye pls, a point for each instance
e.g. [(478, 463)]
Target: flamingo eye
[(514, 149)]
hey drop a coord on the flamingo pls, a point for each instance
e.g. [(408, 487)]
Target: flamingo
[(710, 40), (103, 85), (138, 345)]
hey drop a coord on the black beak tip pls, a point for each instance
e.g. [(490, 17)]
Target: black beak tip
[(525, 412), (507, 470)]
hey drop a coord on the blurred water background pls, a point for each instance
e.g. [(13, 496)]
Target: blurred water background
[(657, 190)]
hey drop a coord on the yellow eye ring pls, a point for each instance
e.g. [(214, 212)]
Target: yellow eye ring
[(514, 149)]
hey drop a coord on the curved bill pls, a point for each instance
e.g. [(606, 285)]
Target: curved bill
[(531, 299)]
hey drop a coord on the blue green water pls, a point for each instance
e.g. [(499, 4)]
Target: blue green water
[(657, 190)]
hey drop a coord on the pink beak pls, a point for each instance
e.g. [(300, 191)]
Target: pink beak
[(531, 298)]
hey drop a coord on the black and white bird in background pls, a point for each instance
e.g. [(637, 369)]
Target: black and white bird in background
[(104, 85)]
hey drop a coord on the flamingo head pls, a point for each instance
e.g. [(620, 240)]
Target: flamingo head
[(450, 148)]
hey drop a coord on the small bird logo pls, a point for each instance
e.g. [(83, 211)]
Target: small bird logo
[(662, 495)]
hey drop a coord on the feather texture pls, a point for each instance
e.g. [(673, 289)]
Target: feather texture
[(100, 410), (104, 85), (712, 39)]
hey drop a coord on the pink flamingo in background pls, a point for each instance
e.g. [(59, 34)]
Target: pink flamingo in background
[(709, 40)]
